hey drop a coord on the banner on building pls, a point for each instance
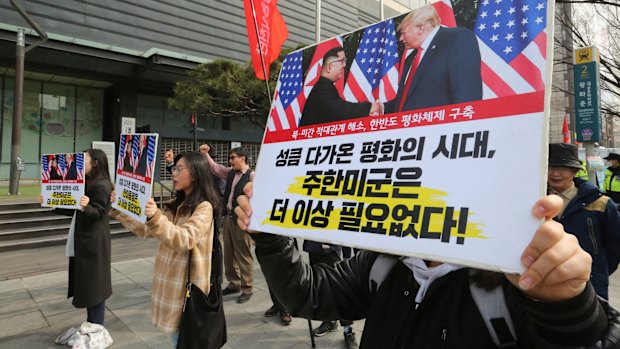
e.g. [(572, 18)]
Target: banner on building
[(432, 147), (62, 180), (135, 166)]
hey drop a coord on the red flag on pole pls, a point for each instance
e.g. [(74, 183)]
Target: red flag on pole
[(266, 33), (565, 131)]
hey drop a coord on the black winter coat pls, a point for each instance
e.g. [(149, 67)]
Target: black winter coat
[(594, 219), (447, 318), (90, 280)]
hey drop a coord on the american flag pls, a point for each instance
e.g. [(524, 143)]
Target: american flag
[(135, 149), (121, 150), (79, 165), (150, 152), (45, 174), (289, 100), (513, 41), (62, 165), (374, 72), (286, 109)]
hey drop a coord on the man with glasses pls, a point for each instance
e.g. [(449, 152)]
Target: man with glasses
[(441, 65), (324, 103), (588, 214)]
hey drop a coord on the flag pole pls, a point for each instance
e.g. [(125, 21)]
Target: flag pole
[(262, 60), (317, 22)]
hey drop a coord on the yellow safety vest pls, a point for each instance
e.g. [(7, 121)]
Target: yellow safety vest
[(612, 182), (583, 172)]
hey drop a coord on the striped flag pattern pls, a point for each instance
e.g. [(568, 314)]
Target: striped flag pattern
[(374, 72), (135, 149), (513, 41), (62, 165), (150, 152), (79, 165), (45, 173)]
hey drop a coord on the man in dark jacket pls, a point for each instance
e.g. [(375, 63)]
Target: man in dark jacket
[(324, 104), (328, 254), (588, 214), (551, 304)]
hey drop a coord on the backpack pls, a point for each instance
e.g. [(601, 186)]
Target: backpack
[(491, 304)]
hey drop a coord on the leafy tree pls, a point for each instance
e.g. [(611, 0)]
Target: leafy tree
[(584, 27), (223, 88)]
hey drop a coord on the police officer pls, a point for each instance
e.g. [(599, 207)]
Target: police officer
[(612, 177)]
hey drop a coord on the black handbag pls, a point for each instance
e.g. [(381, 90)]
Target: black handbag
[(203, 325)]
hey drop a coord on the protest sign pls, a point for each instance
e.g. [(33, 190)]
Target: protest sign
[(62, 180), (434, 148), (135, 167)]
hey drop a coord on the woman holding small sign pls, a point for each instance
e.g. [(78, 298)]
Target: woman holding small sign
[(185, 231), (88, 247)]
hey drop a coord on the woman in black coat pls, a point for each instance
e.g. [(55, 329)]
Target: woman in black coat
[(89, 255)]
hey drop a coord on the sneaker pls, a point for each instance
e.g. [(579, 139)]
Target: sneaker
[(244, 297), (271, 312), (228, 291), (349, 340), (326, 326), (65, 337), (285, 318)]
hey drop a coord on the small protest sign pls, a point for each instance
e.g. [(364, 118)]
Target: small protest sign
[(62, 180), (135, 167)]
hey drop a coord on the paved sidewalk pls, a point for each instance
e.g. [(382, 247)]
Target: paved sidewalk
[(34, 310)]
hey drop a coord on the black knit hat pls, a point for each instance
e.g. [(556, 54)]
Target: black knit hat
[(563, 155), (612, 156)]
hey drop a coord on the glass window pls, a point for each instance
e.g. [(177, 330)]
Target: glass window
[(30, 127), (58, 113), (89, 117)]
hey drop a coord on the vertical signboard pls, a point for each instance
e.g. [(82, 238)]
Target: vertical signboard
[(587, 97)]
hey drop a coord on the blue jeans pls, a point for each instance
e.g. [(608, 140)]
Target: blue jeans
[(175, 339), (96, 313)]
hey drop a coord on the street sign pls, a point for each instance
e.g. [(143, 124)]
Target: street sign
[(587, 97)]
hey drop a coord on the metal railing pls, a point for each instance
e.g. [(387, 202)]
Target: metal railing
[(162, 186)]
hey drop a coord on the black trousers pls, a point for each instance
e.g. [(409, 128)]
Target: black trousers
[(330, 258)]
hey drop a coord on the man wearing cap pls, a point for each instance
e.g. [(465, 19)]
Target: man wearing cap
[(588, 214), (612, 177)]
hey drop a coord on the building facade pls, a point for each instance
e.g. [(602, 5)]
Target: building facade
[(113, 59), (105, 60)]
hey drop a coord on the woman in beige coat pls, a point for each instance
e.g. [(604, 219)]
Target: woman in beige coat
[(186, 223)]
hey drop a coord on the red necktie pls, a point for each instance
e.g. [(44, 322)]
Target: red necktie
[(414, 67)]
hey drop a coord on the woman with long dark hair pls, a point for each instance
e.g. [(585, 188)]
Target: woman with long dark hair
[(186, 223), (88, 245)]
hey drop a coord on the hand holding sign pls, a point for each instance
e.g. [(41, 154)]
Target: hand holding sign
[(244, 210), (84, 201), (150, 209), (557, 268)]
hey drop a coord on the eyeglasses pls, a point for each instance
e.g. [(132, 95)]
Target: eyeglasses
[(342, 61), (562, 170), (232, 157), (177, 169)]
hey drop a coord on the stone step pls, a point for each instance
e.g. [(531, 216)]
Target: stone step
[(43, 231), (36, 242)]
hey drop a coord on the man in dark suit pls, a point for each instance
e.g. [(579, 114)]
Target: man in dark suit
[(443, 66), (71, 167), (324, 103), (142, 156)]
